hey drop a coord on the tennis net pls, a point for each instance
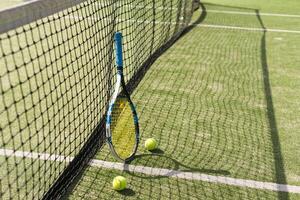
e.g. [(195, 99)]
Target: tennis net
[(56, 77)]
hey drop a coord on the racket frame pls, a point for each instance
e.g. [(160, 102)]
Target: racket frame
[(120, 87)]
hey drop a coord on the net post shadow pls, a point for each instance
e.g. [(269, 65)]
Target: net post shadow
[(278, 159)]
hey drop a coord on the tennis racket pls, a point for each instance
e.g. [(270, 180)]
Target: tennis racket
[(122, 128)]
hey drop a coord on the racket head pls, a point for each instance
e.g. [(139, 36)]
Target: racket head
[(122, 128)]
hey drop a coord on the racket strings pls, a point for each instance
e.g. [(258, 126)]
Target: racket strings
[(123, 128)]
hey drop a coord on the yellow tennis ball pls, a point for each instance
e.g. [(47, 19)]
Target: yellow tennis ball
[(116, 184), (150, 144), (119, 183)]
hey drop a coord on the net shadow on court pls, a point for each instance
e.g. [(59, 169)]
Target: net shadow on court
[(207, 100)]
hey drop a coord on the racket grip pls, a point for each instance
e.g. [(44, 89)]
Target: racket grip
[(118, 46)]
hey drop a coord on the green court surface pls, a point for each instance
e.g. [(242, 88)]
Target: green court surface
[(221, 101)]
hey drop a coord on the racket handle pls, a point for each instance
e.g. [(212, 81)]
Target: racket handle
[(118, 46)]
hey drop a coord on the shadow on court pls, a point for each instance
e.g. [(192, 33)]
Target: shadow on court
[(158, 155), (207, 99)]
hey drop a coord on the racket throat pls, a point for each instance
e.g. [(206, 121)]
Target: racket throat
[(120, 70)]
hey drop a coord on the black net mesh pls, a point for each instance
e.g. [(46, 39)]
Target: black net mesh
[(56, 75)]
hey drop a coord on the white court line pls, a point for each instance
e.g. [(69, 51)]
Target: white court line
[(40, 156), (142, 6), (253, 13), (247, 28), (198, 25), (160, 172)]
